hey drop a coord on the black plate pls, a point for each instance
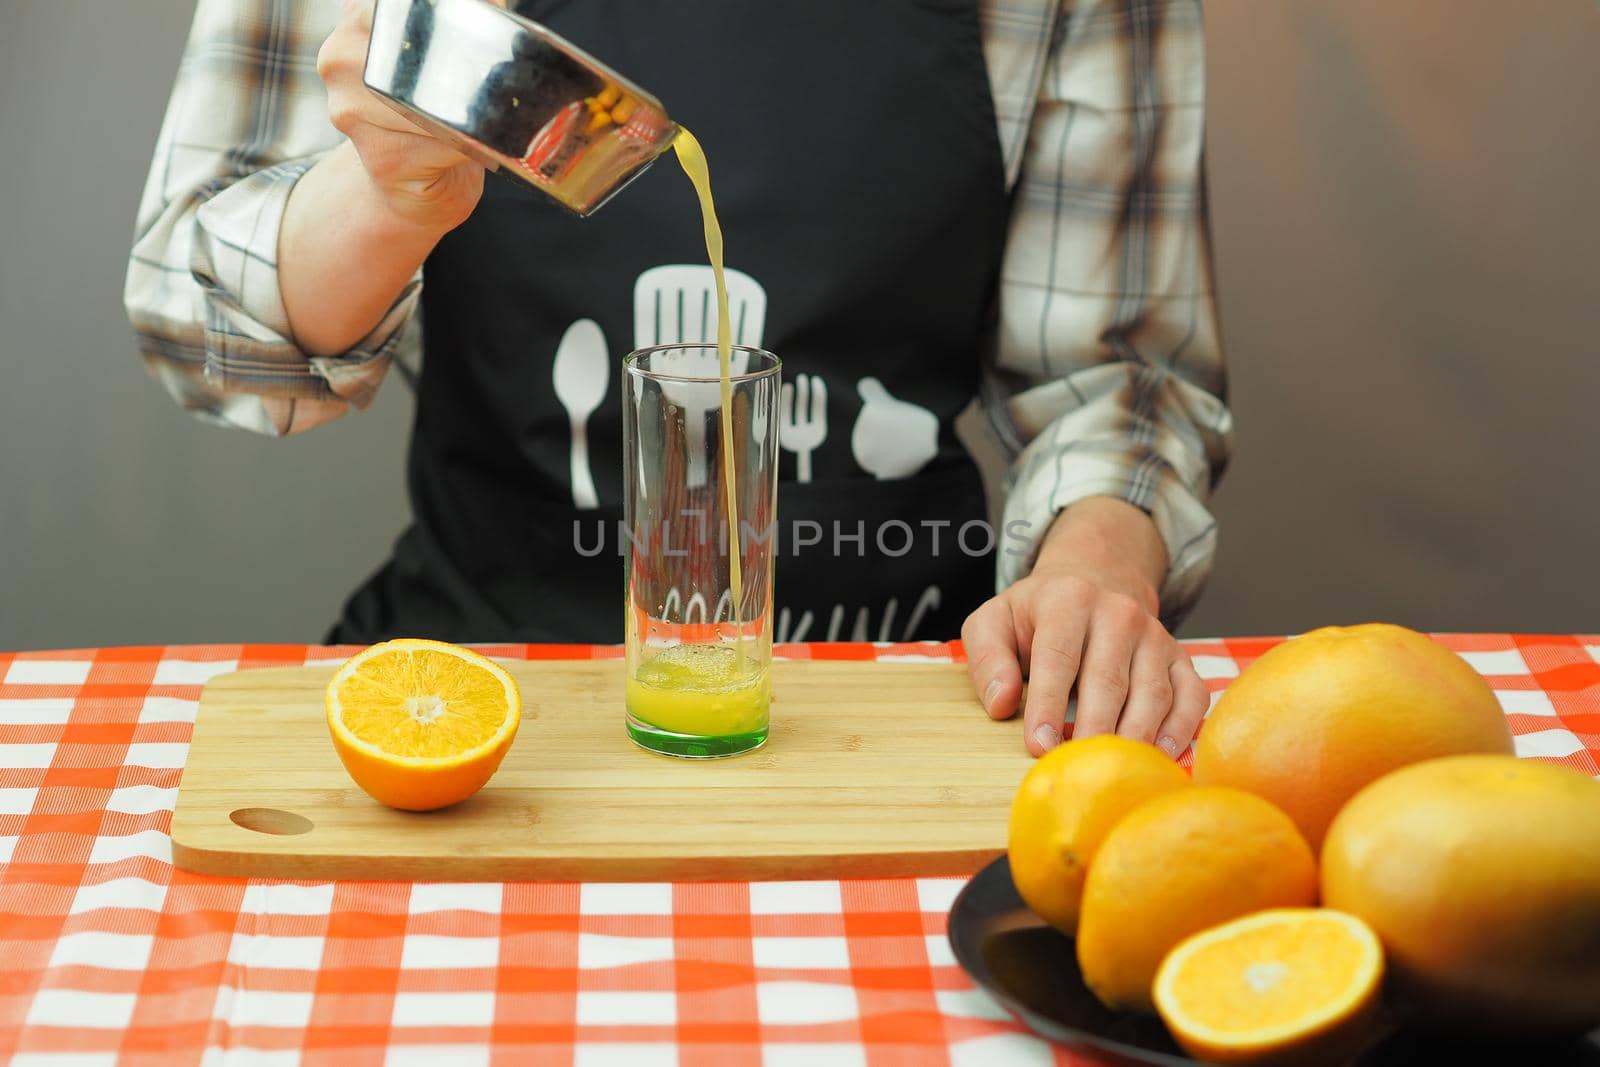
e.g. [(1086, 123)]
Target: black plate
[(1032, 970)]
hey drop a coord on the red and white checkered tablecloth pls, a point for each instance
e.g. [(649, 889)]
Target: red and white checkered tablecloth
[(109, 954)]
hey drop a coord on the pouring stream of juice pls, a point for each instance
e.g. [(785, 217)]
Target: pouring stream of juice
[(693, 161), (709, 690)]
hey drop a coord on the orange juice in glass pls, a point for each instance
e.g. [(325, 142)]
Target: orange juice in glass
[(699, 517)]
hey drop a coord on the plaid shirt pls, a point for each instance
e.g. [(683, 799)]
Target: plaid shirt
[(1106, 377)]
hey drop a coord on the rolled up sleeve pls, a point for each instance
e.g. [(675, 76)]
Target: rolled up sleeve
[(247, 118), (1108, 376)]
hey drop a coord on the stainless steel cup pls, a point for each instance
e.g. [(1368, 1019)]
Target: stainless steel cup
[(516, 97)]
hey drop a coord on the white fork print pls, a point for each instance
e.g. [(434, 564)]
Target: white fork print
[(803, 420)]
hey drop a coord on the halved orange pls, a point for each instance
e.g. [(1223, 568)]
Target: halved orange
[(422, 724), (1287, 985)]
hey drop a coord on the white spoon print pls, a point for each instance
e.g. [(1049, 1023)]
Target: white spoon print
[(581, 377), (892, 438)]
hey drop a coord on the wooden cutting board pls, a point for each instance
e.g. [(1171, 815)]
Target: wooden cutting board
[(872, 769)]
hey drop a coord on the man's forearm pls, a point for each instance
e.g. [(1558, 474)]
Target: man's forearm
[(1112, 539), (343, 254)]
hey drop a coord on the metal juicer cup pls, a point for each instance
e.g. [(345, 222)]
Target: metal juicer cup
[(516, 97)]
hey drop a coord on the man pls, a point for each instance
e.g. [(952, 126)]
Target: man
[(927, 199)]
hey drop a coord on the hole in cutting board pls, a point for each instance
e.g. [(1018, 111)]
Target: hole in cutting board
[(271, 821)]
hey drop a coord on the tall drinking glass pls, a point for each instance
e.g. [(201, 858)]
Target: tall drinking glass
[(699, 578)]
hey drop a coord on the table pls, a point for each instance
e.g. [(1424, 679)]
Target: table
[(109, 954)]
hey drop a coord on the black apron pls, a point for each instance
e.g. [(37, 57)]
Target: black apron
[(858, 177)]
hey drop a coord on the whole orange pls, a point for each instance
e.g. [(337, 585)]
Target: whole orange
[(1178, 864), (1067, 803), (1481, 876), (1318, 717)]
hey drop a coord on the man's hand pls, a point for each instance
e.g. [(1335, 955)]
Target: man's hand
[(1087, 615), (382, 199), (422, 179)]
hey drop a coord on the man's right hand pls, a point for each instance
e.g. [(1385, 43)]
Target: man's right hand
[(382, 199), (420, 178)]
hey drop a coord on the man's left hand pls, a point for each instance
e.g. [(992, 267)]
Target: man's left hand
[(1087, 616)]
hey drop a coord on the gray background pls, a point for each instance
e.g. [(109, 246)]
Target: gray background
[(1406, 242)]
